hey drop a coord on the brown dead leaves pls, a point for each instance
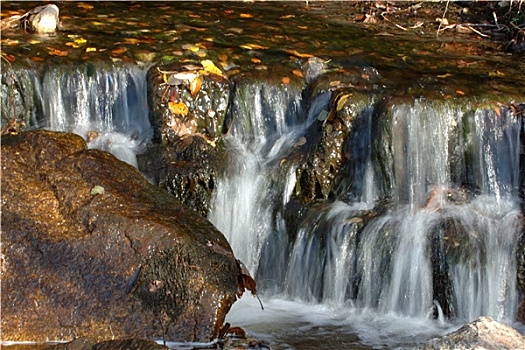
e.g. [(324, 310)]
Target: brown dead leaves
[(246, 281)]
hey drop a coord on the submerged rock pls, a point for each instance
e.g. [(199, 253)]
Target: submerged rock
[(125, 262), (484, 333)]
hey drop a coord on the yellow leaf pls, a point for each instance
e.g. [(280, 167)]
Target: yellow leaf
[(246, 15), (253, 47), (131, 41), (178, 108), (446, 75), (33, 42), (86, 6), (287, 16), (80, 41), (211, 68), (341, 101), (91, 49), (298, 54)]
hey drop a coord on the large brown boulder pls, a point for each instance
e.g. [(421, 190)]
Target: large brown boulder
[(91, 248)]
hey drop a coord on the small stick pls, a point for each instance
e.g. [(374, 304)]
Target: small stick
[(442, 19), (478, 32)]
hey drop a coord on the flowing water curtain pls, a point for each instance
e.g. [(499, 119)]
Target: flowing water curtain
[(109, 102), (473, 269), (265, 118), (496, 152)]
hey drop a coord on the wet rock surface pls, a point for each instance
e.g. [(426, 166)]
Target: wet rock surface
[(484, 333), (90, 248)]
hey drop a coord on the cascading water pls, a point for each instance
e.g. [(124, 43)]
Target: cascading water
[(267, 123), (442, 243), (109, 104)]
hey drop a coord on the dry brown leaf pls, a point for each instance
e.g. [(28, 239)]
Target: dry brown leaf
[(118, 51), (298, 73), (57, 52), (195, 86)]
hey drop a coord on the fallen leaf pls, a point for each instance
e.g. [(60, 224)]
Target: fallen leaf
[(256, 60), (446, 75), (86, 6), (298, 73), (459, 92), (10, 58), (298, 54), (223, 57), (91, 49), (496, 74), (246, 15), (131, 41), (80, 41), (285, 80), (195, 86), (118, 51), (178, 108), (211, 68), (9, 42), (253, 47), (341, 101), (498, 111), (287, 16), (57, 52), (302, 27)]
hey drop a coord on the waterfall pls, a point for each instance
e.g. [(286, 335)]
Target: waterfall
[(107, 106), (268, 121), (442, 243)]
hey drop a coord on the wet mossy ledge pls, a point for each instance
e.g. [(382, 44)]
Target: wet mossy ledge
[(91, 248)]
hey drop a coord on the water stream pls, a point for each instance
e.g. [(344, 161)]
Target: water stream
[(440, 255), (421, 241), (108, 107)]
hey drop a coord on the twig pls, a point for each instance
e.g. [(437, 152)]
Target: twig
[(397, 25), (495, 18), (442, 19), (478, 32)]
